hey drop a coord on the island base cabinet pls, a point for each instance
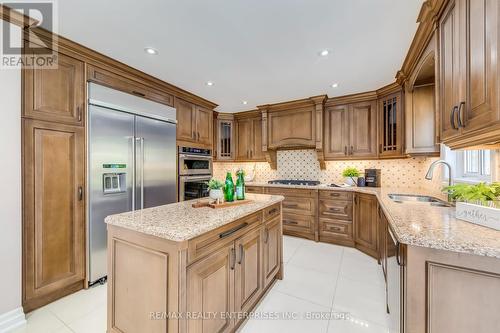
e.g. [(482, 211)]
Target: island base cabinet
[(248, 271), (210, 289), (143, 282), (206, 284), (272, 250), (450, 292)]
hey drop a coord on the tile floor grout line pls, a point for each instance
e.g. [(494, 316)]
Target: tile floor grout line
[(311, 269), (336, 286), (302, 299)]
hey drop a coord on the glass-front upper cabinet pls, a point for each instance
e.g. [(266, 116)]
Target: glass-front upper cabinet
[(391, 126), (225, 137)]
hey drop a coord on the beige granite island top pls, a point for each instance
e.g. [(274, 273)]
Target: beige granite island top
[(420, 224), (180, 221)]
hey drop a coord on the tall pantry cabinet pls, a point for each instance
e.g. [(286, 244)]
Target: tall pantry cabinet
[(53, 182)]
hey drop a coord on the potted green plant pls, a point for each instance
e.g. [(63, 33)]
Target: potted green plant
[(477, 203), (350, 174), (216, 192)]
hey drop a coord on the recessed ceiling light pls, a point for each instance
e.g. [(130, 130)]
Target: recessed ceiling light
[(335, 85), (244, 102), (210, 83), (150, 50), (324, 53)]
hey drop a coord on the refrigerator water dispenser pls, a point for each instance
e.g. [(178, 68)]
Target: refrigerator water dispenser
[(114, 183)]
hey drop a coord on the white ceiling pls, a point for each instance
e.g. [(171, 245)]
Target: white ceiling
[(261, 51)]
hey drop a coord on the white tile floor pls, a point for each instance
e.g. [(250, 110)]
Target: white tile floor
[(319, 278)]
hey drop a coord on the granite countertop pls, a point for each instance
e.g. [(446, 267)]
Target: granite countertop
[(420, 224), (180, 221)]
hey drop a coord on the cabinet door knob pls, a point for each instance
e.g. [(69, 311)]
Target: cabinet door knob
[(79, 110), (80, 193), (460, 118), (452, 117), (232, 259), (241, 254)]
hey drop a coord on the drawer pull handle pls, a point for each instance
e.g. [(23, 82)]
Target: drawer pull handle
[(290, 206), (272, 211), (335, 194), (290, 222), (335, 210), (232, 231)]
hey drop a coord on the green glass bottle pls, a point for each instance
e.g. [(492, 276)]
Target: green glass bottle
[(229, 188), (240, 185)]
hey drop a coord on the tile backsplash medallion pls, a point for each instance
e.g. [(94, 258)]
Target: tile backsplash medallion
[(303, 164)]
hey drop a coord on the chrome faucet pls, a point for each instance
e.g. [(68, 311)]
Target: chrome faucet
[(430, 173)]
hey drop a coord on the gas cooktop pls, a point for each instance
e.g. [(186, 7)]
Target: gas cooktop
[(295, 182)]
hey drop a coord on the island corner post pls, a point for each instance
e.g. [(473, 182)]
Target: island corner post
[(207, 283)]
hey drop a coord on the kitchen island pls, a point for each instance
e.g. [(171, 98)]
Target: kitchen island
[(176, 268)]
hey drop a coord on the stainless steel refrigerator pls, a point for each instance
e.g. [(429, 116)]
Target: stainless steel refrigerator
[(131, 162)]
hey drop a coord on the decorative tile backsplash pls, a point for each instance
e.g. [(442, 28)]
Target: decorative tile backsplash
[(303, 164)]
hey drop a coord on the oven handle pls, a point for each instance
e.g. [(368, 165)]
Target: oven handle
[(199, 157), (194, 178)]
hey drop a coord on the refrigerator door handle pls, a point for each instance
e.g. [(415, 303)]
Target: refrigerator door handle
[(133, 172), (142, 173)]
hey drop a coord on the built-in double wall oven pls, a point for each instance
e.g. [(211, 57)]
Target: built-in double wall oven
[(195, 170)]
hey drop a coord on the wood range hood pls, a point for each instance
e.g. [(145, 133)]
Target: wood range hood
[(293, 125)]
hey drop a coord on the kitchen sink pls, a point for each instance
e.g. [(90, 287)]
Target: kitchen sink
[(400, 198)]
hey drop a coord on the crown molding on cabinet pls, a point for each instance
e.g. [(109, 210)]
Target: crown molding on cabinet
[(427, 19), (9, 15)]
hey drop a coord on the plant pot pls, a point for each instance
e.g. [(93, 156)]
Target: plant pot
[(477, 214), (349, 181), (216, 194)]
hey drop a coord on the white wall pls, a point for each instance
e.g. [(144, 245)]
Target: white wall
[(10, 195)]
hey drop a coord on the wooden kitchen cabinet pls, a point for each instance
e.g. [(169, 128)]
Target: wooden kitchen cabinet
[(421, 104), (243, 139), (194, 123), (210, 289), (53, 211), (391, 124), (469, 89), (56, 95), (256, 152), (224, 137), (204, 125), (366, 224), (335, 218), (300, 211), (363, 130), (336, 132), (351, 131), (248, 270), (186, 120), (249, 138), (272, 235), (130, 86)]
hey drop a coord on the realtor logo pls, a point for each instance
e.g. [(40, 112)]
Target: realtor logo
[(31, 47)]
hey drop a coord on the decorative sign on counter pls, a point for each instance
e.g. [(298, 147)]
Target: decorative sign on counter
[(477, 214)]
